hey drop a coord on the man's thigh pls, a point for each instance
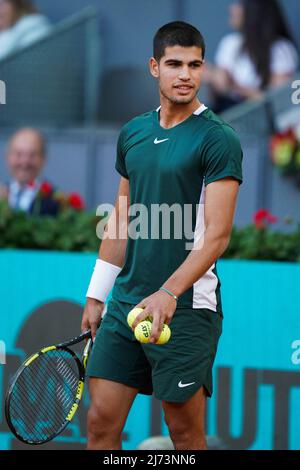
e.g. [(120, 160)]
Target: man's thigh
[(111, 401), (117, 356), (181, 367), (189, 414)]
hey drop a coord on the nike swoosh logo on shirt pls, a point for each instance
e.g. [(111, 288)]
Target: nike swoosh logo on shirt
[(181, 385), (160, 141)]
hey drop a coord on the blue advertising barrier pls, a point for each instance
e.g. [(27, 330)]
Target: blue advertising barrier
[(256, 401)]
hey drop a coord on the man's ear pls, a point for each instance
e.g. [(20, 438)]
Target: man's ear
[(154, 67)]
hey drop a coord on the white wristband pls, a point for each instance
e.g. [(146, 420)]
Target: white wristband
[(102, 280)]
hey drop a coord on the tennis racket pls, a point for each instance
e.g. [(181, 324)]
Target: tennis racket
[(45, 392)]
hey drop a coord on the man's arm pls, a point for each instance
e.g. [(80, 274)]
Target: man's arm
[(220, 203), (112, 250)]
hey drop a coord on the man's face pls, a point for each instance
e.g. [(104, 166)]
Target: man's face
[(7, 14), (179, 73), (25, 157)]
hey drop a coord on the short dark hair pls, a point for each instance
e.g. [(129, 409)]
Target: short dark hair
[(23, 7), (177, 33)]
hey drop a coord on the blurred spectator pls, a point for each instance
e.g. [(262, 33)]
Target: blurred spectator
[(26, 155), (20, 25), (260, 54)]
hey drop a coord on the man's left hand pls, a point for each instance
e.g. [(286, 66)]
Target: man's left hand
[(161, 307)]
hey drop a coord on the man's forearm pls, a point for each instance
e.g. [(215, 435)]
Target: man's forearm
[(115, 236), (108, 266), (197, 263), (113, 251)]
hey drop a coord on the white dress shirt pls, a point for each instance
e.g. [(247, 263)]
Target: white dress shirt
[(27, 30), (229, 56), (22, 197)]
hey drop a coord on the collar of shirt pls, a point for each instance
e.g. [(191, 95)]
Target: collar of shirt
[(22, 197)]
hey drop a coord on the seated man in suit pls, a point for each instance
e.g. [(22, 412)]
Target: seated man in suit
[(26, 155)]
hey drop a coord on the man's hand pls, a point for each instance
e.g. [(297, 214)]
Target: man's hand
[(161, 307), (92, 316)]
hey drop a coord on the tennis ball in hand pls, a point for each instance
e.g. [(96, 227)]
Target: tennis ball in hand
[(143, 332), (133, 314)]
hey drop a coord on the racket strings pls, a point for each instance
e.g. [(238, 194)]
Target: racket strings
[(35, 371), (22, 427), (43, 395), (39, 421), (18, 411), (44, 411)]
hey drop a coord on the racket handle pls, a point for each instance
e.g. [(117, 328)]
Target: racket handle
[(78, 339)]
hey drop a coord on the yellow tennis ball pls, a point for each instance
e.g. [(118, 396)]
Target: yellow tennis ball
[(165, 335), (143, 332), (133, 314)]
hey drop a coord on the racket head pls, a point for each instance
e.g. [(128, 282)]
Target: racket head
[(44, 394)]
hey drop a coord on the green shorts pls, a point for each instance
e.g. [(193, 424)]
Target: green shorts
[(174, 371)]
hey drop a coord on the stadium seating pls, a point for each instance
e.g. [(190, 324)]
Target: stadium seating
[(55, 81)]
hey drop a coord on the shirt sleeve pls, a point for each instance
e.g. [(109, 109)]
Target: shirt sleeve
[(34, 28), (8, 43), (222, 155), (120, 165), (227, 52), (284, 58), (26, 31)]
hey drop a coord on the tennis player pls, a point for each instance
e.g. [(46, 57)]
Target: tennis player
[(181, 155)]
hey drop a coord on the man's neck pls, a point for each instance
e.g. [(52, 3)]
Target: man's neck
[(173, 114), (23, 185)]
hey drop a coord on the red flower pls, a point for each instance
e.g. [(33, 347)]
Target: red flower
[(46, 189), (76, 201), (263, 217)]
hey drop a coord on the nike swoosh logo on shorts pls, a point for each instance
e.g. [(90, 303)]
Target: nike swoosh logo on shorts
[(160, 141), (181, 385)]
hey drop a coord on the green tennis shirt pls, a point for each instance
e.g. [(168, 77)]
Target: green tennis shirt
[(168, 171)]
